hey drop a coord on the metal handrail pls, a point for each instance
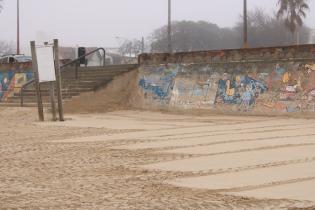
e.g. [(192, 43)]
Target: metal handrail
[(62, 67), (83, 56), (22, 91)]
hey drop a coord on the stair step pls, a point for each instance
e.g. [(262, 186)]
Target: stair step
[(32, 93), (95, 71), (89, 79), (8, 104)]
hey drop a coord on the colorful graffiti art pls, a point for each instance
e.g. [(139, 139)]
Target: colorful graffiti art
[(239, 89), (197, 92), (286, 87), (157, 83), (11, 82)]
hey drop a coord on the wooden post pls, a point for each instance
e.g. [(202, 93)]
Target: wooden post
[(58, 79), (52, 100), (37, 85)]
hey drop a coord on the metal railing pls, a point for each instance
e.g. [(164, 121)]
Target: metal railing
[(75, 61)]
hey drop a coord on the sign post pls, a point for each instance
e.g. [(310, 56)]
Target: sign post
[(37, 84), (46, 68), (58, 79), (52, 100)]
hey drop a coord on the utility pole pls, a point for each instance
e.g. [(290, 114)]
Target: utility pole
[(18, 28), (245, 32), (169, 28), (142, 45)]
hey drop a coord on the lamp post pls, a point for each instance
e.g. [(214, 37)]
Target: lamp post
[(142, 45), (169, 28), (245, 29), (18, 28)]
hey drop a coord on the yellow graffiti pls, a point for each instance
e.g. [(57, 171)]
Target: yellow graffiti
[(20, 79), (229, 91), (286, 77), (310, 67)]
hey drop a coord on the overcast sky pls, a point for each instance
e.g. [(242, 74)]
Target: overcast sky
[(98, 22)]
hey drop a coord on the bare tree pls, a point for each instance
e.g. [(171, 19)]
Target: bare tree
[(192, 36), (292, 12), (131, 48), (1, 7), (264, 30), (6, 48)]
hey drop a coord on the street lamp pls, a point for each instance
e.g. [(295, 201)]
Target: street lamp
[(245, 29), (18, 27), (169, 28)]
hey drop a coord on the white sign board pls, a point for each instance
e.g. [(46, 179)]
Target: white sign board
[(45, 61)]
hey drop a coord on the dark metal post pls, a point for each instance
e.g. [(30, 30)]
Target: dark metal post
[(142, 45), (18, 28), (37, 85), (245, 32), (169, 28), (58, 79), (104, 58)]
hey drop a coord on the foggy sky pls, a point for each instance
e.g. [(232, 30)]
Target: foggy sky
[(98, 22)]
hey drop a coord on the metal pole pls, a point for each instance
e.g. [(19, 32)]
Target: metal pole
[(142, 45), (245, 32), (58, 79), (169, 28), (104, 57), (18, 28), (37, 85)]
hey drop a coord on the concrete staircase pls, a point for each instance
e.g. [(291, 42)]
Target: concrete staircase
[(88, 79)]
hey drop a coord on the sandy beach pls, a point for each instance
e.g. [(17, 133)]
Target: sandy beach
[(151, 160)]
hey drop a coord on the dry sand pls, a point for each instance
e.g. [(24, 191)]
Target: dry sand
[(91, 161), (244, 180), (209, 138), (229, 161), (120, 93), (303, 190), (244, 146)]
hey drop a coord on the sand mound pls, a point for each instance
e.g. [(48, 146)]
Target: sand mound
[(120, 93)]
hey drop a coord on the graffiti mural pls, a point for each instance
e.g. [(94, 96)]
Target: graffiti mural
[(158, 83), (198, 90), (271, 87), (11, 83)]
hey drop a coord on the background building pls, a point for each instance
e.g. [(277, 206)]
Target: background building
[(312, 37)]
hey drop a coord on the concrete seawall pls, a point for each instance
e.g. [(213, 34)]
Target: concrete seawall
[(278, 80)]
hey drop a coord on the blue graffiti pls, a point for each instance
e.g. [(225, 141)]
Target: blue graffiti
[(149, 87), (231, 92), (160, 83), (255, 84), (224, 86)]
